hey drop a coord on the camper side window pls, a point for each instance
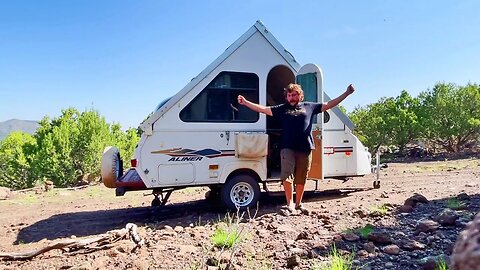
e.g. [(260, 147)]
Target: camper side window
[(218, 101)]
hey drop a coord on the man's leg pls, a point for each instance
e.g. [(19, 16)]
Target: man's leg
[(299, 189), (288, 169), (287, 186), (302, 166)]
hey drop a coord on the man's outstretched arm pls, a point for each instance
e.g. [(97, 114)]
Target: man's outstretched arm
[(334, 102), (254, 106)]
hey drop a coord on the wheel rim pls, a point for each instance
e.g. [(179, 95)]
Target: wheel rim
[(242, 194)]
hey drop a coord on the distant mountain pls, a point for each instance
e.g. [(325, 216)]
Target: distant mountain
[(27, 126)]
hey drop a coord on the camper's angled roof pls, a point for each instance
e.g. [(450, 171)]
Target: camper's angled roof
[(257, 27)]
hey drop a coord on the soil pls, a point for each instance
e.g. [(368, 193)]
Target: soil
[(371, 228)]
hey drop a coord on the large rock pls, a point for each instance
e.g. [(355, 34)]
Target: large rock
[(466, 253), (416, 198), (447, 217)]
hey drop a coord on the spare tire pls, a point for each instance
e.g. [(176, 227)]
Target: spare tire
[(111, 166)]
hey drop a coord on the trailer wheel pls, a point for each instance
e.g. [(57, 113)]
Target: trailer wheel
[(112, 168), (241, 191)]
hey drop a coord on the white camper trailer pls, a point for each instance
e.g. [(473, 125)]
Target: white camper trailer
[(202, 137)]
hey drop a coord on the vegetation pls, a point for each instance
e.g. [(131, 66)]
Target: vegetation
[(380, 210), (441, 265), (68, 149), (63, 150), (446, 118), (338, 262), (455, 204), (226, 237)]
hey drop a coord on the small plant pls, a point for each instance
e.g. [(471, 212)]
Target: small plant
[(339, 262), (380, 210), (455, 204), (195, 266), (365, 230), (441, 264), (224, 238)]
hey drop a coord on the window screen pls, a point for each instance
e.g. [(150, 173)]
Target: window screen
[(218, 101)]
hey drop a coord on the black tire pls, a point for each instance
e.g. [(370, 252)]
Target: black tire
[(112, 166), (241, 191)]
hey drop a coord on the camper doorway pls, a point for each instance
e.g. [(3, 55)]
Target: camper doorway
[(278, 78)]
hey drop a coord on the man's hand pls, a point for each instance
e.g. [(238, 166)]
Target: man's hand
[(350, 89), (241, 100)]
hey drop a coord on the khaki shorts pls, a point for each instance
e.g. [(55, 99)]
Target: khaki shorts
[(295, 166)]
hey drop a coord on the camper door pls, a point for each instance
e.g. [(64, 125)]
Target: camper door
[(310, 78)]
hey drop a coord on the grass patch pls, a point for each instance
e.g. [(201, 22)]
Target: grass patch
[(226, 237), (441, 265), (337, 261), (362, 231), (365, 231), (380, 210), (455, 204)]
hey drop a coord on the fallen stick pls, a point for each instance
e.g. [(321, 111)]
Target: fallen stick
[(103, 241)]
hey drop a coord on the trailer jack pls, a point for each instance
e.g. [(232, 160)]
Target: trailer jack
[(161, 197)]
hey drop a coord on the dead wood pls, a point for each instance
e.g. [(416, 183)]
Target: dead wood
[(75, 246)]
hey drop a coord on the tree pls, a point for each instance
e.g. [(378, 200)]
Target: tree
[(402, 119), (14, 161), (450, 115)]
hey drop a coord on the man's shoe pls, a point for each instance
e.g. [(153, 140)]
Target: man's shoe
[(303, 209), (288, 210)]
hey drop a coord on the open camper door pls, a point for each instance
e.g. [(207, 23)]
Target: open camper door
[(310, 78)]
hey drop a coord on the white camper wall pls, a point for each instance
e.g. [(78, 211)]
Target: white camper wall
[(255, 55)]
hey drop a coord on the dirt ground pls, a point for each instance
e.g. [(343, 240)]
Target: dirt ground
[(179, 234)]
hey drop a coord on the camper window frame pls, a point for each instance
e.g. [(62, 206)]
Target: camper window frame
[(209, 104)]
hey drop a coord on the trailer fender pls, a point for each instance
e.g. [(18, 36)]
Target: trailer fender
[(255, 167)]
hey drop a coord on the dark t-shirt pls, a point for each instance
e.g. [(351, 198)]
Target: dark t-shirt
[(296, 123)]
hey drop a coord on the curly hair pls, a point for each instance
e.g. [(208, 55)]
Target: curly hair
[(294, 87)]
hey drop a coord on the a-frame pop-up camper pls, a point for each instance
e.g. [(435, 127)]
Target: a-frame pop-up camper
[(202, 137)]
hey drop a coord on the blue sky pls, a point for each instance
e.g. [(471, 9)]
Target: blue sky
[(123, 57)]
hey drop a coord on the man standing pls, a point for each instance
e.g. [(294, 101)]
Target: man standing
[(296, 118)]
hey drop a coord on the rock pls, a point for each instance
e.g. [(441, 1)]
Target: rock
[(389, 265), (391, 249), (416, 198), (304, 235), (432, 262), (463, 197), (351, 237), (410, 245), (427, 225), (405, 209), (48, 185), (298, 251), (369, 247), (466, 255), (4, 193), (293, 261), (447, 217), (362, 253), (379, 237), (361, 213), (384, 195)]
